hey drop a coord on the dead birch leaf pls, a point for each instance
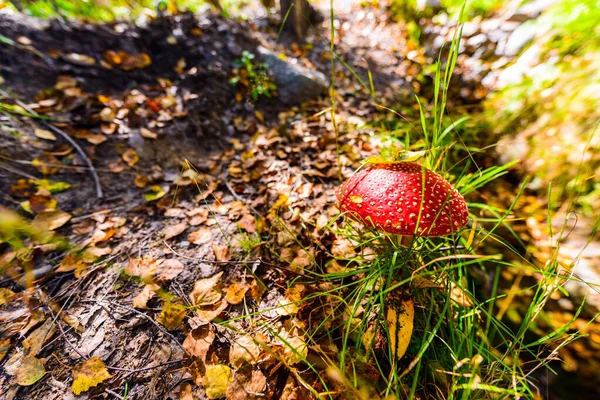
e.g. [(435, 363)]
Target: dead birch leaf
[(172, 315), (41, 335), (208, 313), (295, 349), (4, 348), (243, 349), (88, 374), (30, 371), (247, 384), (145, 268), (44, 134), (248, 223), (185, 392), (222, 252), (46, 164), (131, 157), (217, 380), (199, 340), (459, 296), (235, 293), (51, 219), (148, 292), (147, 133), (201, 236), (174, 230), (168, 269), (207, 291), (400, 316)]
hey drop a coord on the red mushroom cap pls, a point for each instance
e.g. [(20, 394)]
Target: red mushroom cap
[(390, 197)]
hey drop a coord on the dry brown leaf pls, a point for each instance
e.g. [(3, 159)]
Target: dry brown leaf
[(235, 293), (185, 392), (222, 252), (199, 340), (294, 349), (96, 138), (200, 236), (140, 181), (459, 296), (207, 291), (247, 384), (243, 349), (172, 315), (51, 219), (216, 380), (147, 133), (131, 157), (208, 313), (148, 292), (174, 230), (39, 202), (248, 223), (88, 374), (145, 268), (44, 134), (343, 248), (97, 252), (169, 269), (37, 338)]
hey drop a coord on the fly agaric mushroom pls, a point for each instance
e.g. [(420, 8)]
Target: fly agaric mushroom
[(391, 198)]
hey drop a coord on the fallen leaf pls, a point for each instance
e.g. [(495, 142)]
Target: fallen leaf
[(6, 295), (155, 192), (207, 291), (243, 349), (130, 157), (248, 223), (80, 59), (199, 340), (96, 138), (140, 181), (235, 293), (4, 348), (44, 134), (147, 133), (46, 164), (174, 230), (172, 315), (39, 202), (88, 374), (201, 236), (222, 252), (400, 317), (37, 338), (145, 268), (459, 296), (148, 292), (247, 384), (51, 220), (295, 349), (30, 371), (185, 391), (208, 313), (169, 269), (216, 380)]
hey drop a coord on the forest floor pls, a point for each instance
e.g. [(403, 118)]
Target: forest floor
[(211, 200)]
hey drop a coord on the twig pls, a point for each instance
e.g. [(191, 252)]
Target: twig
[(146, 368), (147, 317), (117, 395), (17, 172), (55, 320), (66, 137)]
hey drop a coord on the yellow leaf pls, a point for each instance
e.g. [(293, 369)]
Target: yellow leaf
[(207, 291), (88, 374), (280, 203), (4, 347), (235, 293), (44, 134), (6, 295), (51, 219), (400, 317), (47, 164), (172, 315), (30, 371), (131, 157), (216, 380)]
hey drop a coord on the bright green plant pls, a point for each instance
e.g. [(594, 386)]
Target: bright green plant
[(252, 76)]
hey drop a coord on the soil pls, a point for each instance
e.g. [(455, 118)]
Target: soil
[(234, 181)]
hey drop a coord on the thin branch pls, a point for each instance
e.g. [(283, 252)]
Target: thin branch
[(55, 320), (146, 368), (66, 137)]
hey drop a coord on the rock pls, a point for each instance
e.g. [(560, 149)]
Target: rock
[(295, 84)]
